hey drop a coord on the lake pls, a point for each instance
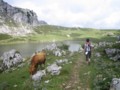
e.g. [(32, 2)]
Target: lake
[(27, 49)]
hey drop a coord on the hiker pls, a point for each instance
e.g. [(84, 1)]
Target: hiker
[(87, 50)]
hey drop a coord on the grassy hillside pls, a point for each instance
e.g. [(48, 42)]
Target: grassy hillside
[(4, 36), (48, 33)]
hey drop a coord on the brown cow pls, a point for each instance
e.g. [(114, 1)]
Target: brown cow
[(37, 59)]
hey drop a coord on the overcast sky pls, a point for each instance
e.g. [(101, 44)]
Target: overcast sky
[(75, 13)]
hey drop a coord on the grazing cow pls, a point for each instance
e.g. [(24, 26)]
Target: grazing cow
[(37, 59)]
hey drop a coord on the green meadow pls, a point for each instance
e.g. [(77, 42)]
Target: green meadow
[(87, 75), (48, 33)]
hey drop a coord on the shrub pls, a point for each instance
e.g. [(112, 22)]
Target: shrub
[(4, 36), (64, 47)]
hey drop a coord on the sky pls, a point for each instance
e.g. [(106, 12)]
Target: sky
[(100, 14)]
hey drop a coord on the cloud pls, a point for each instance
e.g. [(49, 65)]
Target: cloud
[(82, 13)]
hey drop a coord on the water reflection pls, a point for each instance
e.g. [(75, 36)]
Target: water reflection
[(27, 49)]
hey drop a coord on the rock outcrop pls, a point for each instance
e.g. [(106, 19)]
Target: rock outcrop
[(10, 59), (19, 15), (115, 84), (16, 31), (54, 69), (113, 54), (17, 21)]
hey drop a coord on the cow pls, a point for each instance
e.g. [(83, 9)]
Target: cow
[(37, 59)]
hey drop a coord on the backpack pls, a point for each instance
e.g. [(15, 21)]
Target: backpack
[(87, 47)]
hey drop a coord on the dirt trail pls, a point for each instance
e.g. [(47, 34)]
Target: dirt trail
[(74, 82)]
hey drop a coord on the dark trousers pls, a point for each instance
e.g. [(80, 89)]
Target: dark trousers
[(88, 56)]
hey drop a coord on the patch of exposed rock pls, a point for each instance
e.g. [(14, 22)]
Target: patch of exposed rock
[(113, 54), (115, 84), (19, 15), (16, 31), (10, 59), (17, 21)]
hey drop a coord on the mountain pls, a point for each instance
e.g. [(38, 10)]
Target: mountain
[(18, 15), (18, 18)]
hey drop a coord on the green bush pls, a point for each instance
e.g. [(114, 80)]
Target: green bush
[(4, 36), (64, 47)]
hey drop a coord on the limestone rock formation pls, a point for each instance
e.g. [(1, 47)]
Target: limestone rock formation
[(17, 21), (10, 59), (19, 15)]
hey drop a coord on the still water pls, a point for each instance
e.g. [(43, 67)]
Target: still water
[(27, 49)]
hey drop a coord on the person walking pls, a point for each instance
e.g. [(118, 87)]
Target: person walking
[(87, 50)]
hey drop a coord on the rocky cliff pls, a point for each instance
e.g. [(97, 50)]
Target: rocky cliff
[(19, 15), (14, 20)]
